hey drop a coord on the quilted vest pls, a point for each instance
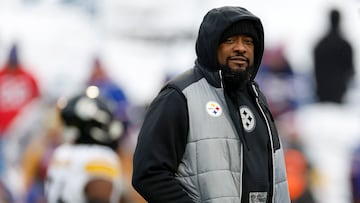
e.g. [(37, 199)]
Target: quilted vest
[(211, 168)]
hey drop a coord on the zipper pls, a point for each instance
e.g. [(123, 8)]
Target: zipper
[(221, 81), (270, 136)]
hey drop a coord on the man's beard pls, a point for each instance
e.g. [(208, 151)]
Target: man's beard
[(234, 79)]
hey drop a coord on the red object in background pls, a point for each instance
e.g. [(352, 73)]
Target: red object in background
[(296, 169), (17, 89)]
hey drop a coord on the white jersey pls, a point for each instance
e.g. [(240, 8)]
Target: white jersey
[(73, 166)]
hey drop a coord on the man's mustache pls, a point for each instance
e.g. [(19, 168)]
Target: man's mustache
[(238, 57)]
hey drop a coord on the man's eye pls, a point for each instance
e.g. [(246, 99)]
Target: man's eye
[(229, 40), (249, 41)]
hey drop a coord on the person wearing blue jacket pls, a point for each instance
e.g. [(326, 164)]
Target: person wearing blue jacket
[(209, 135)]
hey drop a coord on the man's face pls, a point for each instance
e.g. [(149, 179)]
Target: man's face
[(237, 53)]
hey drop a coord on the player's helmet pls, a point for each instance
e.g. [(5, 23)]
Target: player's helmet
[(90, 121)]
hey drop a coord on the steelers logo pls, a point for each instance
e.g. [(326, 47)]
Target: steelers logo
[(213, 109), (248, 118)]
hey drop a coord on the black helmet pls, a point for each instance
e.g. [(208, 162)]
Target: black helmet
[(90, 121)]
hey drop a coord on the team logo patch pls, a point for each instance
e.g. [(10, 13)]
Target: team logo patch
[(213, 109), (257, 197), (248, 118)]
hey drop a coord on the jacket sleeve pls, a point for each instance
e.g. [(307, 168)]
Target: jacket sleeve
[(160, 147)]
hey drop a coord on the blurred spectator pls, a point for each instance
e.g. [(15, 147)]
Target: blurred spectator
[(277, 80), (110, 91), (86, 167), (18, 88), (333, 60), (116, 97)]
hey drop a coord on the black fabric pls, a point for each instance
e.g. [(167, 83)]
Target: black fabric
[(265, 106), (244, 27), (256, 165), (161, 144)]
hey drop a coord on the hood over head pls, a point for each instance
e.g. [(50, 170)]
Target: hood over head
[(212, 28)]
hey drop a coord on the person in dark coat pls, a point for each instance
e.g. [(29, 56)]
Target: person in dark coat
[(333, 60), (209, 136)]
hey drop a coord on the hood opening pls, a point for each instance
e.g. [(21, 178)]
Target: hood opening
[(211, 30)]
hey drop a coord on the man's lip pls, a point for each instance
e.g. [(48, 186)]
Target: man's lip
[(238, 58)]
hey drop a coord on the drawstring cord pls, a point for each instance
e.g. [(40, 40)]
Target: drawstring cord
[(221, 81)]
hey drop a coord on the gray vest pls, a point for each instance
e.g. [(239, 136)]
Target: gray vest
[(211, 168)]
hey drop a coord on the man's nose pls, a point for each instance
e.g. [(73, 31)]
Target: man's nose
[(239, 46)]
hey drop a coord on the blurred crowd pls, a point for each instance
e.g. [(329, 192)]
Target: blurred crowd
[(318, 127), (31, 129)]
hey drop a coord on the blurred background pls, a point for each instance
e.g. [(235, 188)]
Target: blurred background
[(51, 49)]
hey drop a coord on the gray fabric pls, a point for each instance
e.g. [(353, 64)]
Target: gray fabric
[(211, 167)]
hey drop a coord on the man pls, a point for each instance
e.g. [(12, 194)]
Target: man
[(333, 63), (86, 169), (18, 88), (209, 135)]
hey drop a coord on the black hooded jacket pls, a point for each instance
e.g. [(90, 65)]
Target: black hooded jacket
[(163, 136), (214, 24)]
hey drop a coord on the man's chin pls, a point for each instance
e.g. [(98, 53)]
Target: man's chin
[(235, 77), (238, 68)]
